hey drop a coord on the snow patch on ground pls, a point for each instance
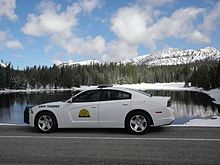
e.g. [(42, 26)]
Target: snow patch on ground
[(8, 124), (31, 90), (160, 86), (178, 86), (203, 122), (83, 87)]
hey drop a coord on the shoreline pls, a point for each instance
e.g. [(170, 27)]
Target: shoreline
[(179, 86), (173, 86), (6, 91)]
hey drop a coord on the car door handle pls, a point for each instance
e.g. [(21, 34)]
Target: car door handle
[(124, 104), (93, 107)]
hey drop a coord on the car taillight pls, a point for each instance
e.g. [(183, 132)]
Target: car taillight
[(169, 103)]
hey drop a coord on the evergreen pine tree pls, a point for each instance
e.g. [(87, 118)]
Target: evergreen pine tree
[(218, 75)]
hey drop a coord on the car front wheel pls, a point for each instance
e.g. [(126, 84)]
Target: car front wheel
[(138, 123), (46, 122)]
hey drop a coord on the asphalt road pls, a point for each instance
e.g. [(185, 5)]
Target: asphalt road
[(163, 145)]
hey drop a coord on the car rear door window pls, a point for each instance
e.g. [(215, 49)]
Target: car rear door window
[(114, 95), (119, 95)]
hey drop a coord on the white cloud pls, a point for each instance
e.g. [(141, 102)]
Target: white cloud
[(7, 41), (89, 5), (3, 36), (51, 21), (135, 26), (113, 51), (130, 23), (7, 9), (88, 46), (48, 5), (197, 37), (155, 3), (48, 48), (18, 56), (57, 61), (119, 50), (211, 20), (60, 26), (178, 25), (13, 44), (98, 48)]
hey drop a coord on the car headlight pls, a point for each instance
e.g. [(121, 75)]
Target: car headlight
[(169, 103)]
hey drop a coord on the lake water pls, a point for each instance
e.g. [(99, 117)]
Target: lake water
[(187, 105)]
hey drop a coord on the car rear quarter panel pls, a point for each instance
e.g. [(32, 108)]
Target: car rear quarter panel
[(161, 114), (155, 106)]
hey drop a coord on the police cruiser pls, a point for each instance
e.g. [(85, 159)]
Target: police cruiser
[(103, 107)]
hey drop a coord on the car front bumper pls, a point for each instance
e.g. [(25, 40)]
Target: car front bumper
[(26, 115)]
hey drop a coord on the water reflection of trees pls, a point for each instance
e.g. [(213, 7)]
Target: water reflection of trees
[(6, 100), (187, 104), (186, 97)]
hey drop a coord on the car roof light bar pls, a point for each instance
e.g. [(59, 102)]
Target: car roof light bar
[(105, 86)]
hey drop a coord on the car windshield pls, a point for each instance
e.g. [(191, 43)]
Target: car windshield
[(142, 92)]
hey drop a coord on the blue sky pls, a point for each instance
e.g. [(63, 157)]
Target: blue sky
[(50, 32)]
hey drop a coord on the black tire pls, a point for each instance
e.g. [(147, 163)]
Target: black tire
[(134, 126), (46, 122)]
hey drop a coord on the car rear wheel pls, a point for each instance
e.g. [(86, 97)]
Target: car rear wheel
[(138, 123), (46, 122)]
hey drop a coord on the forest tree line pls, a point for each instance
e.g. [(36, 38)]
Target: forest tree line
[(205, 75)]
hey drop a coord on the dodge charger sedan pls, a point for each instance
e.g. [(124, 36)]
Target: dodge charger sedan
[(103, 107)]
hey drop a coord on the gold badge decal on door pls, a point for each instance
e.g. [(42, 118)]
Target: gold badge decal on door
[(84, 113)]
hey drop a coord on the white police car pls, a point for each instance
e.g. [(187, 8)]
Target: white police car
[(103, 107)]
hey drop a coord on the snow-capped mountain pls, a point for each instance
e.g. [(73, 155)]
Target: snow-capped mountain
[(2, 65), (169, 56), (173, 56), (87, 62), (135, 60)]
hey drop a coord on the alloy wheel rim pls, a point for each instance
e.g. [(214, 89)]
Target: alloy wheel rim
[(138, 123), (45, 123)]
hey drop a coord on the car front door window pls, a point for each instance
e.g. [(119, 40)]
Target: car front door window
[(88, 96)]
